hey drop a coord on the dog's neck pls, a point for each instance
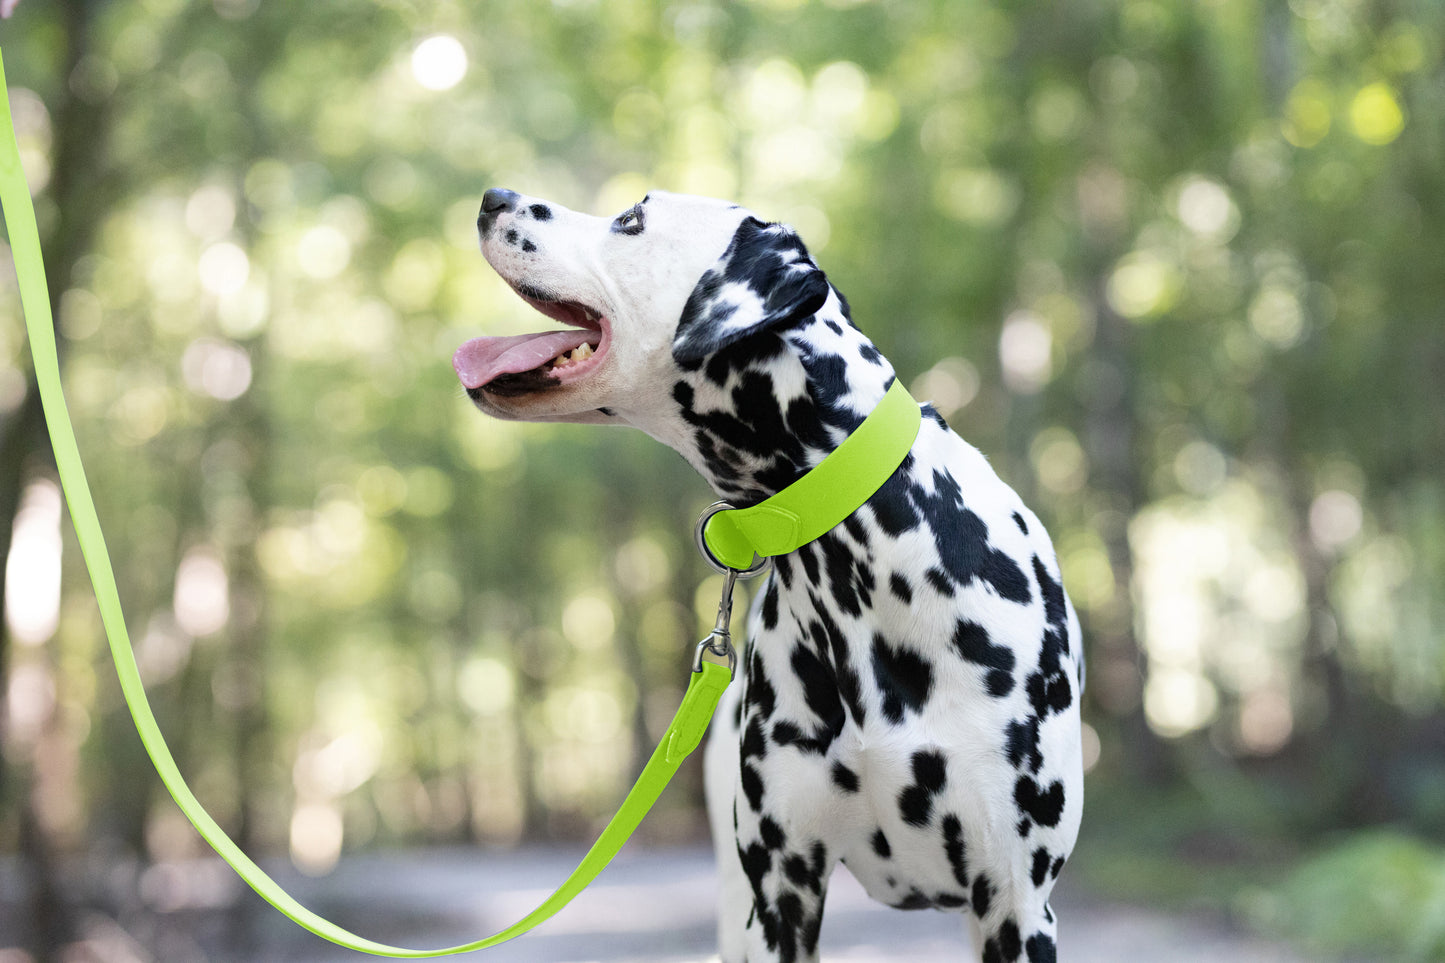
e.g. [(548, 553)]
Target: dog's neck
[(759, 414)]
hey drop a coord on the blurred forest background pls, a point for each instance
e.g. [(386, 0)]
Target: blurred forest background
[(1169, 263)]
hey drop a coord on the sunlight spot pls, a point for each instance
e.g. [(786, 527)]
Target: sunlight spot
[(1266, 720), (316, 836), (1205, 208), (216, 368), (323, 252), (1059, 461), (588, 622), (642, 566), (1025, 349), (202, 596), (140, 414), (1335, 519), (210, 212), (1178, 701), (1143, 285), (486, 686), (1276, 316), (1375, 115), (1200, 468), (439, 63), (949, 385), (32, 571), (223, 268), (976, 195)]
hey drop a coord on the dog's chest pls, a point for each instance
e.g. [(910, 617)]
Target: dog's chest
[(888, 662)]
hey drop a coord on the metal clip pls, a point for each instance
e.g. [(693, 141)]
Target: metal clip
[(719, 641)]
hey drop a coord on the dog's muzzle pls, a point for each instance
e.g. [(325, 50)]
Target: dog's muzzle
[(494, 202)]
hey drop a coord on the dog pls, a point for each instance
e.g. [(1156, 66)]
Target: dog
[(910, 696)]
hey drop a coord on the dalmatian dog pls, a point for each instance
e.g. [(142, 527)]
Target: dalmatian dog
[(910, 694)]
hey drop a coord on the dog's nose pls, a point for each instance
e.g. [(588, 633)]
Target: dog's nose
[(495, 201)]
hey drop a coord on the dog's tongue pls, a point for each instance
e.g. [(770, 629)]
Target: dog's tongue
[(482, 359)]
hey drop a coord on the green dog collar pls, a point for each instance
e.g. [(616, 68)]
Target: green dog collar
[(819, 501)]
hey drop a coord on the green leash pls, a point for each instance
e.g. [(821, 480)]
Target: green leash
[(729, 537)]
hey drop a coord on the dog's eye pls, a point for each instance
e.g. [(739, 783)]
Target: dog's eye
[(629, 221)]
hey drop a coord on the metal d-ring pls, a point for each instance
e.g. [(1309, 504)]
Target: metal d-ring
[(759, 565)]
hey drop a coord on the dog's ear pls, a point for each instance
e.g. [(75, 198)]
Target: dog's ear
[(765, 279)]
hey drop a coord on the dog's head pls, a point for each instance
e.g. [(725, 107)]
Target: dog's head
[(669, 307)]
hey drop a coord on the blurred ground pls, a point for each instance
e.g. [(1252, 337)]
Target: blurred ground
[(648, 907)]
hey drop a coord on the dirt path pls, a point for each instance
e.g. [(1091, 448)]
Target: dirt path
[(657, 907)]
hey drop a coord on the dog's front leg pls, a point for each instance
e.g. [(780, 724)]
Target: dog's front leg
[(787, 875)]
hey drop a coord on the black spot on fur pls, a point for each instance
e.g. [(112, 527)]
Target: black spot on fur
[(541, 212), (915, 900), (1048, 687), (982, 895), (770, 605), (954, 849), (900, 588), (838, 561), (904, 678), (1019, 521), (1022, 744), (772, 834), (511, 236), (892, 508), (759, 692), (820, 692), (789, 734), (752, 787), (529, 247), (972, 642), (880, 845), (915, 802), (1043, 806), (1053, 594), (832, 644), (962, 541), (1041, 949), (753, 745), (1040, 871), (1005, 945), (940, 581), (844, 778)]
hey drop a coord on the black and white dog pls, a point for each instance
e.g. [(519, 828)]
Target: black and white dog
[(912, 678)]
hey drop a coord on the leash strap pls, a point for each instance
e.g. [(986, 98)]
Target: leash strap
[(819, 501), (682, 737)]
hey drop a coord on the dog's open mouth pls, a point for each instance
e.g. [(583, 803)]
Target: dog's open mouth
[(524, 363)]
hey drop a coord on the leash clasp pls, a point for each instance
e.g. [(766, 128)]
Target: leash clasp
[(719, 641)]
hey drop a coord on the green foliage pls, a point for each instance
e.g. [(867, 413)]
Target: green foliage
[(1380, 893), (1171, 265)]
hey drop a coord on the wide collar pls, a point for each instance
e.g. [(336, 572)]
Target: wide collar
[(828, 493)]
